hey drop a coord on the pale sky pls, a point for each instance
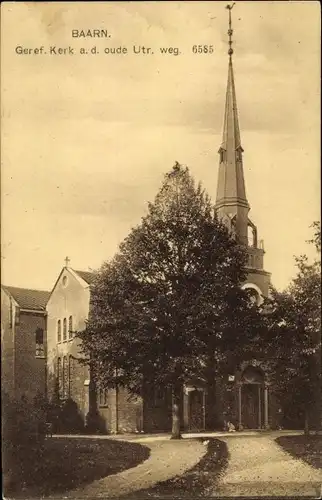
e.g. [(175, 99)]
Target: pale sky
[(86, 139)]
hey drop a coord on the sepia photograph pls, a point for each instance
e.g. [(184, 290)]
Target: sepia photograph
[(161, 249)]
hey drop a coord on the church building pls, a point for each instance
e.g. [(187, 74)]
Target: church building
[(245, 398)]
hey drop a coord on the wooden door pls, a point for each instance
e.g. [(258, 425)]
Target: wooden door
[(250, 406), (196, 411)]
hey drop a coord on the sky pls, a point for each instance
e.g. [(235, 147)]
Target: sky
[(87, 138)]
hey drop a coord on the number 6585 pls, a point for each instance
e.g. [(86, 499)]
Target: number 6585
[(202, 49)]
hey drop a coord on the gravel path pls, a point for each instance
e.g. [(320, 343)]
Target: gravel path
[(167, 459), (259, 467)]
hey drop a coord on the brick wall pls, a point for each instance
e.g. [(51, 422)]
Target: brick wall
[(157, 410), (77, 391), (123, 412), (7, 344), (30, 371)]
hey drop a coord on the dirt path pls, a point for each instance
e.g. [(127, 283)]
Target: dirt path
[(259, 467), (167, 459)]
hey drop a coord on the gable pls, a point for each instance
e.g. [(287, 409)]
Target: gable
[(70, 282)]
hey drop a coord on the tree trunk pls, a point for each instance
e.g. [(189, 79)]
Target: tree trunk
[(211, 410), (316, 410), (306, 423), (176, 399)]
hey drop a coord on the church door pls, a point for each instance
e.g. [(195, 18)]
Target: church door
[(196, 411), (250, 406)]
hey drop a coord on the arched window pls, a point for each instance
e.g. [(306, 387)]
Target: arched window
[(40, 346), (59, 377), (59, 331), (252, 295), (65, 329), (70, 327), (70, 374), (252, 235), (103, 397), (252, 375), (65, 389)]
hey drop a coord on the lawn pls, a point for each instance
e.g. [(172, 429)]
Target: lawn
[(308, 448), (68, 463), (194, 482)]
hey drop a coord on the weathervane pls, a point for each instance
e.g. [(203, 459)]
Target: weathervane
[(230, 31)]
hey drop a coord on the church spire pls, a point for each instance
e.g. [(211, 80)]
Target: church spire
[(231, 194)]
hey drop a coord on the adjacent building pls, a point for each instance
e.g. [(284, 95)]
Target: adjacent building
[(23, 342), (67, 311)]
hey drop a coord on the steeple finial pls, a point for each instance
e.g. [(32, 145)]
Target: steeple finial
[(231, 194), (230, 31)]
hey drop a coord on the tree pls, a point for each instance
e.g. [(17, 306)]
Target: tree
[(294, 329), (170, 301)]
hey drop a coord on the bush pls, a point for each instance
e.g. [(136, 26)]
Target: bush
[(94, 423), (23, 433), (70, 420), (64, 416)]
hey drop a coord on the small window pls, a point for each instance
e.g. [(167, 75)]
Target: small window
[(17, 316), (103, 397), (65, 281), (59, 331), (40, 347), (239, 156), (65, 329), (70, 327), (222, 155)]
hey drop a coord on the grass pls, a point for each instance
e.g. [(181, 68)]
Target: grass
[(195, 482), (308, 448), (67, 463)]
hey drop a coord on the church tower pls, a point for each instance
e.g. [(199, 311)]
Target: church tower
[(231, 202)]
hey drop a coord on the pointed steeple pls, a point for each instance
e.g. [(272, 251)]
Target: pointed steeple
[(231, 194)]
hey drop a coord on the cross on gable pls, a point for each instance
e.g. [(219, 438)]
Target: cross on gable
[(67, 261)]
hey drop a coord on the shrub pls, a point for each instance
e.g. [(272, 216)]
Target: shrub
[(71, 420), (23, 424)]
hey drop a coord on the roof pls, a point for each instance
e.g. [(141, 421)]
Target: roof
[(29, 299), (86, 276), (231, 190)]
